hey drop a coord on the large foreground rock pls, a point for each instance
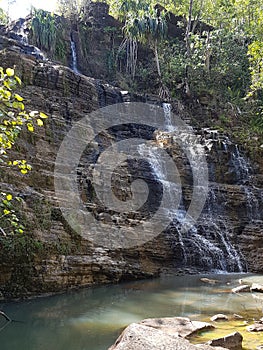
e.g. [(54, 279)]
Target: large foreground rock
[(161, 334), (178, 326)]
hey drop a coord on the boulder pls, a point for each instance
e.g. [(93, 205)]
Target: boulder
[(231, 341), (238, 317), (244, 288), (257, 288), (219, 317), (256, 327), (179, 326), (141, 337)]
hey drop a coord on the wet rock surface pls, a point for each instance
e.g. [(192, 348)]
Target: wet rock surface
[(219, 317), (231, 341), (241, 289)]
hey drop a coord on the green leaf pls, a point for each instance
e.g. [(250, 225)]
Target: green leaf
[(9, 197), (40, 122), (43, 115), (10, 72), (18, 97), (18, 80), (30, 127)]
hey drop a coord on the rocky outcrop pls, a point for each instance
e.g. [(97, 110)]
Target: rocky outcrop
[(256, 327), (52, 258), (179, 326), (163, 333), (241, 289)]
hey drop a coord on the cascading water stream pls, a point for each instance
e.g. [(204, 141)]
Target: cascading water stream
[(23, 34), (207, 243), (74, 56), (252, 203), (19, 31), (242, 167)]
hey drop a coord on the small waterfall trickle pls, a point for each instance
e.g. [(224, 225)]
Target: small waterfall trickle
[(167, 108), (252, 204), (23, 33), (241, 165), (74, 62), (214, 226), (19, 31)]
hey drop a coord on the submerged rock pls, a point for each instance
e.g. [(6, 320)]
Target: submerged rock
[(208, 280)]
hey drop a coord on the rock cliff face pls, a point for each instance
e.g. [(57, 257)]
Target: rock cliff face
[(53, 257), (57, 258)]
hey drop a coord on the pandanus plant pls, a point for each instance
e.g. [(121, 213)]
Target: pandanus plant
[(146, 24)]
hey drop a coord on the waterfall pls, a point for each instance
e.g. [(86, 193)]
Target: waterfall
[(173, 189), (207, 244), (167, 108), (215, 227), (74, 56)]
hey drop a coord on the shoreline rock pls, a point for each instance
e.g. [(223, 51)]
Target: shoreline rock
[(219, 317), (162, 333)]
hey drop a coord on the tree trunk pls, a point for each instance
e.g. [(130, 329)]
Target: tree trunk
[(157, 58), (188, 46), (5, 316), (188, 28), (208, 54)]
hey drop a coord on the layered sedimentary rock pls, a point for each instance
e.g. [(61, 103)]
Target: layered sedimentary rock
[(228, 235)]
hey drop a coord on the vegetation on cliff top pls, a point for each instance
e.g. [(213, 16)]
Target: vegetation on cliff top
[(209, 54), (215, 60)]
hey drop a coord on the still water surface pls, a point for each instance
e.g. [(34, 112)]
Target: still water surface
[(91, 319)]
